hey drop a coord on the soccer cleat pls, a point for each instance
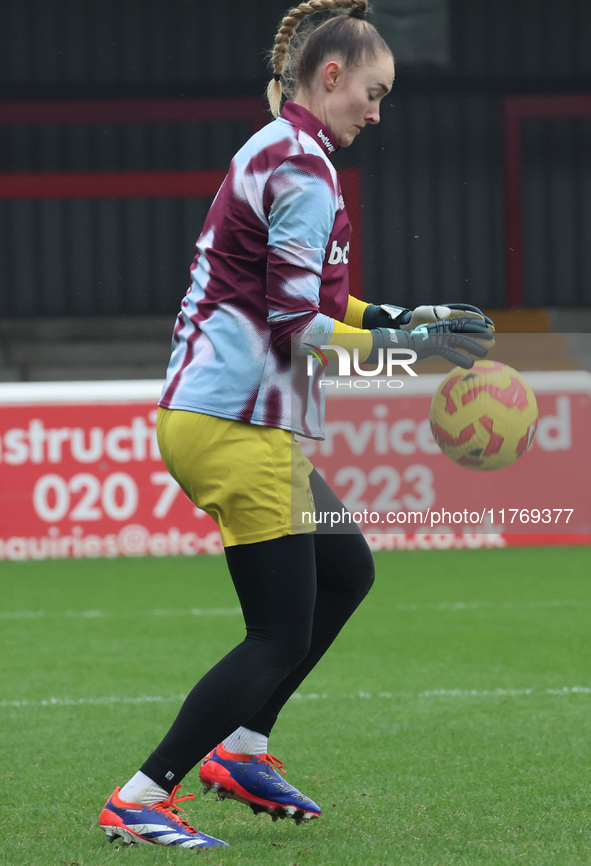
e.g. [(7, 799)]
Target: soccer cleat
[(156, 825), (254, 779)]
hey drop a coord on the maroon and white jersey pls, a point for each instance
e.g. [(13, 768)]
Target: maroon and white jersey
[(270, 276)]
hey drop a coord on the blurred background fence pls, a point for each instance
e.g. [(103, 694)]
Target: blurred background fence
[(475, 186)]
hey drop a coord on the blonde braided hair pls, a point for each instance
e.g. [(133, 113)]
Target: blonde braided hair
[(280, 57)]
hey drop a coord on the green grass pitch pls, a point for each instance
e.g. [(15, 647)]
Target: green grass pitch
[(449, 724)]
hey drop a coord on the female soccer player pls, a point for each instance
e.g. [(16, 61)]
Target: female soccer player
[(269, 277)]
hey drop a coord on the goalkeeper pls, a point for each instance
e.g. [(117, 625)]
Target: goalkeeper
[(270, 274)]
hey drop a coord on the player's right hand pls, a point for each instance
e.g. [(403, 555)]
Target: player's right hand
[(471, 311), (458, 340), (389, 316)]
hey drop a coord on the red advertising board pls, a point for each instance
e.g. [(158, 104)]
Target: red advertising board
[(381, 459), (81, 475)]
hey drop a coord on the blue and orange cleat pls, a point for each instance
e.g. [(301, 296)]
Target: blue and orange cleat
[(253, 779), (156, 825)]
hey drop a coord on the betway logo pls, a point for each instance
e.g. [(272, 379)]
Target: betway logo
[(326, 141), (338, 254)]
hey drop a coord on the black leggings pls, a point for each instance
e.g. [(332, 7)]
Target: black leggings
[(296, 594)]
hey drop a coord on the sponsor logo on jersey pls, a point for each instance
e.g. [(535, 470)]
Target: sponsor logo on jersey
[(338, 254), (326, 141)]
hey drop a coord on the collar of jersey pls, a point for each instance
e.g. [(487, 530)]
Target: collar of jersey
[(305, 120)]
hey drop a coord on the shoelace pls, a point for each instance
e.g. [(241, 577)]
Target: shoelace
[(167, 806), (275, 762)]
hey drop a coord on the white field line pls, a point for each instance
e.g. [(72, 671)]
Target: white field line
[(452, 693), (364, 696), (487, 605), (235, 611), (85, 702), (107, 614)]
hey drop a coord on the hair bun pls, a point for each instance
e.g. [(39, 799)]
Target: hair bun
[(358, 12)]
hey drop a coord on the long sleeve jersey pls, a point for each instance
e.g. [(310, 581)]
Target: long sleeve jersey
[(269, 278)]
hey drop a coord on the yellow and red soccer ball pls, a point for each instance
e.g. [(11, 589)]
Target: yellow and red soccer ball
[(484, 418)]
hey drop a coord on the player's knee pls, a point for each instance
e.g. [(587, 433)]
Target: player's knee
[(359, 575), (294, 654), (367, 573), (282, 651), (290, 650)]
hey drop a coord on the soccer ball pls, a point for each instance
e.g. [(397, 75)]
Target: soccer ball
[(484, 418)]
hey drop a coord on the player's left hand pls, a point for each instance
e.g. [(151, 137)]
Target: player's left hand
[(390, 316), (470, 310), (459, 340)]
